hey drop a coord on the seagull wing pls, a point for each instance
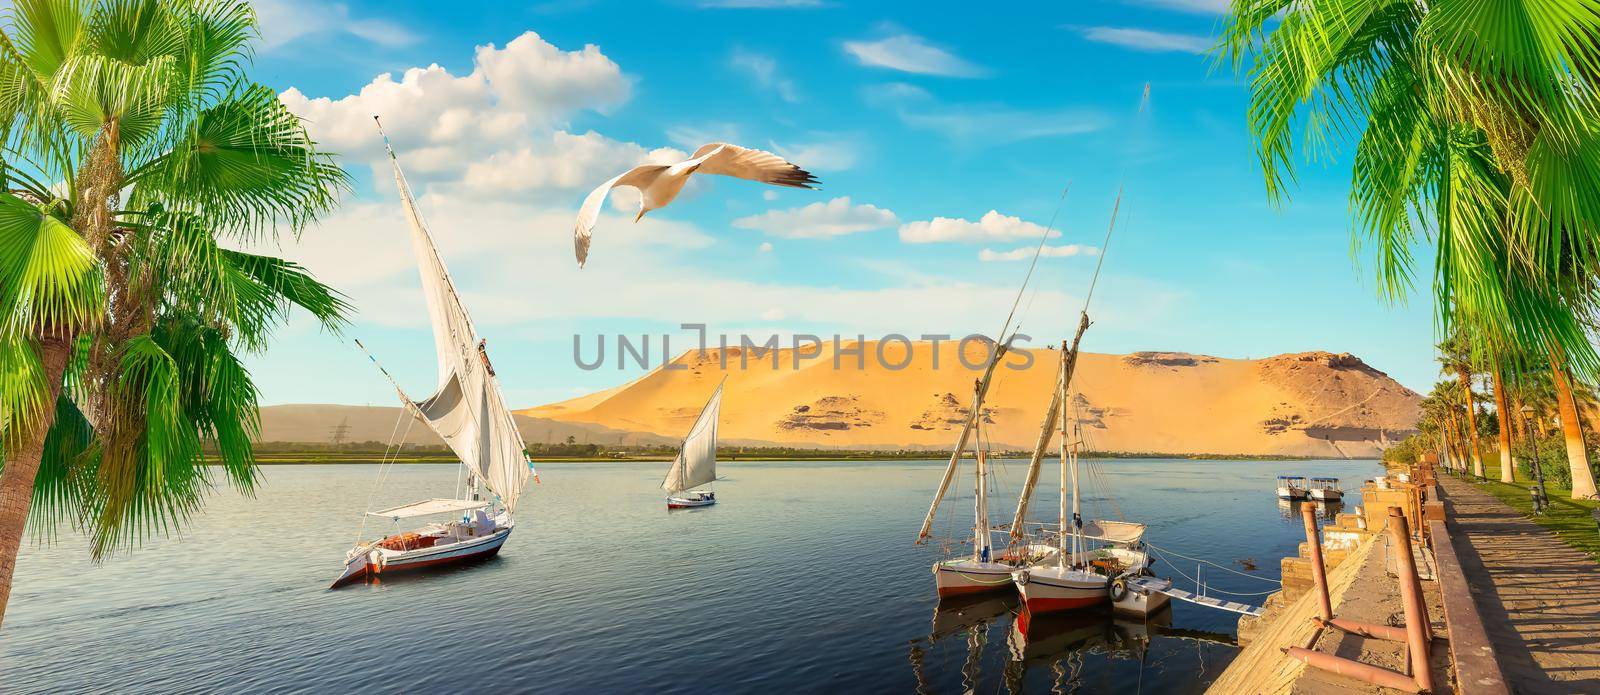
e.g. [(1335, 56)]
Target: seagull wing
[(755, 165), (638, 177)]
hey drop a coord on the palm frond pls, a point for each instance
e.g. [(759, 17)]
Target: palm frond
[(50, 280), (246, 166)]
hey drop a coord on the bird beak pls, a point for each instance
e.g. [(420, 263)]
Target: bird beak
[(639, 216)]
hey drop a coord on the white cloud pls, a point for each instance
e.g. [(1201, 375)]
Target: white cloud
[(1026, 252), (1198, 6), (1148, 41), (764, 70), (564, 162), (979, 123), (769, 195), (913, 54), (284, 21), (836, 217), (691, 137), (993, 226), (765, 247), (443, 122), (496, 131), (773, 314), (819, 155)]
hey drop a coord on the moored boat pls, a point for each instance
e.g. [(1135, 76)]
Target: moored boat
[(1324, 490), (1291, 487), (469, 413)]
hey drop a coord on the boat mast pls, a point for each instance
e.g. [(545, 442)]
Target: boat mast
[(980, 388), (1061, 539), (980, 548), (1069, 363), (1077, 518)]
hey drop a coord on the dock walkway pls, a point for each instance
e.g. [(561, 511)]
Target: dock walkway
[(1539, 597)]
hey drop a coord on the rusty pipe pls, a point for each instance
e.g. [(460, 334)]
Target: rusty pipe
[(1319, 573), (1365, 673), (1417, 628), (1384, 632)]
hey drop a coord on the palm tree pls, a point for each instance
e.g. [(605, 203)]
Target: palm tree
[(1504, 416), (1478, 120), (1455, 358), (1572, 431), (134, 147)]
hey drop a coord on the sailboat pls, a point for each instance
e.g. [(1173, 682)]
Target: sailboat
[(1096, 562), (696, 463), (984, 570), (469, 413), (1078, 576)]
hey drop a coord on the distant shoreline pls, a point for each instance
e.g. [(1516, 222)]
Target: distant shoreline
[(307, 458)]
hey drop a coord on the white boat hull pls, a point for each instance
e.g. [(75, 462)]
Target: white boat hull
[(369, 560), (1137, 600), (1291, 493), (1326, 494), (1050, 588), (964, 577), (691, 500)]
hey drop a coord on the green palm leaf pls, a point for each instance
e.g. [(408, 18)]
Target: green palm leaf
[(50, 280)]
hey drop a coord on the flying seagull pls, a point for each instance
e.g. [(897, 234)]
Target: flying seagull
[(658, 184)]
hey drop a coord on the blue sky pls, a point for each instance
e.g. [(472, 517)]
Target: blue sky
[(948, 130)]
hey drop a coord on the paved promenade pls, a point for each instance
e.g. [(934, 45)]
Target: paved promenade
[(1539, 597)]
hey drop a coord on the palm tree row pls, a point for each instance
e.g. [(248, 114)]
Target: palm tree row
[(135, 150), (1527, 392), (1475, 128)]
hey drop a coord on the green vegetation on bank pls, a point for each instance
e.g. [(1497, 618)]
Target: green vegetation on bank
[(375, 452)]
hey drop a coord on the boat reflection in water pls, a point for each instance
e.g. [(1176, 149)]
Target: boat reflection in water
[(969, 618), (1090, 650), (1060, 642), (1326, 510)]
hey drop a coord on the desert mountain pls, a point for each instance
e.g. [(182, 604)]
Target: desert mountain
[(1306, 404)]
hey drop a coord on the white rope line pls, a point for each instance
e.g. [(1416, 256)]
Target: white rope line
[(377, 483), (1224, 568)]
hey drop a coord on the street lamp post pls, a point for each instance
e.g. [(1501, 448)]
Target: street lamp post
[(1540, 500)]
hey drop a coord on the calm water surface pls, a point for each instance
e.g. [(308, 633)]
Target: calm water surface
[(803, 578)]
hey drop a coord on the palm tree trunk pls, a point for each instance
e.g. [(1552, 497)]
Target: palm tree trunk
[(1572, 432), (1519, 429), (1452, 442), (1502, 405), (22, 465), (1465, 376)]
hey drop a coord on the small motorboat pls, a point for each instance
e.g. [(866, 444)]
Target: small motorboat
[(1325, 490), (1291, 487)]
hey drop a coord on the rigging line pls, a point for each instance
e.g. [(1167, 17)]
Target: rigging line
[(1037, 252), (1224, 568), (1214, 590)]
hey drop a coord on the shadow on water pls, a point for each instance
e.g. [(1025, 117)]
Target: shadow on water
[(1325, 510), (1093, 650)]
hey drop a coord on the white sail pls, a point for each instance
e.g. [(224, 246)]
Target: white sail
[(467, 410), (696, 464)]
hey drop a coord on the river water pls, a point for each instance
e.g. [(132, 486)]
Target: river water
[(803, 578)]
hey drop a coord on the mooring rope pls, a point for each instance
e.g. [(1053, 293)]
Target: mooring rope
[(1224, 568)]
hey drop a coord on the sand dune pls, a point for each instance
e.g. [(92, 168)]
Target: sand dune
[(1306, 404)]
